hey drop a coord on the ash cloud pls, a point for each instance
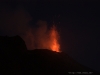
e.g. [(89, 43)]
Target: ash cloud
[(16, 22), (36, 38)]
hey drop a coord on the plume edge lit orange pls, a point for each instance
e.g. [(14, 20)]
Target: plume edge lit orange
[(54, 36)]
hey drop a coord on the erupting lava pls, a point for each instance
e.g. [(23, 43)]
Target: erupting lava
[(54, 37), (42, 38)]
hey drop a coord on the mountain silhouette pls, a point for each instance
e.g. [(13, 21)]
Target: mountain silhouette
[(17, 60)]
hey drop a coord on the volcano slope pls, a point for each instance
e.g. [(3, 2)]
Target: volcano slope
[(17, 60)]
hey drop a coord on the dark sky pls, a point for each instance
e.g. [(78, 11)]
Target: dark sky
[(77, 22)]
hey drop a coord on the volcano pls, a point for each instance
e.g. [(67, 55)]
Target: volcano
[(17, 60)]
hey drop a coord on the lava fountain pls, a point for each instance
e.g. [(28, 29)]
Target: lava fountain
[(54, 39), (42, 37)]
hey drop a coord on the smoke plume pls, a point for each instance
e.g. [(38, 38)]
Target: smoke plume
[(16, 22)]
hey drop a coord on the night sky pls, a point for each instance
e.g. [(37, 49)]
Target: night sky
[(77, 23)]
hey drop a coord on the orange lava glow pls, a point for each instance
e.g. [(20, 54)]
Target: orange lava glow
[(54, 40)]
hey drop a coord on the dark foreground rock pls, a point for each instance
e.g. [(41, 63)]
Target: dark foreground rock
[(17, 60)]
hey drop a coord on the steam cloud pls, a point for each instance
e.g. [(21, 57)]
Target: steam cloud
[(17, 23)]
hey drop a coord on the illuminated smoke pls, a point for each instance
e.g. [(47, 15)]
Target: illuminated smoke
[(54, 39), (42, 37), (17, 23)]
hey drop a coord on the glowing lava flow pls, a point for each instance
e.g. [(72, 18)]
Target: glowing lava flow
[(54, 37)]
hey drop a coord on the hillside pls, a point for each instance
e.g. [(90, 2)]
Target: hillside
[(17, 60)]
